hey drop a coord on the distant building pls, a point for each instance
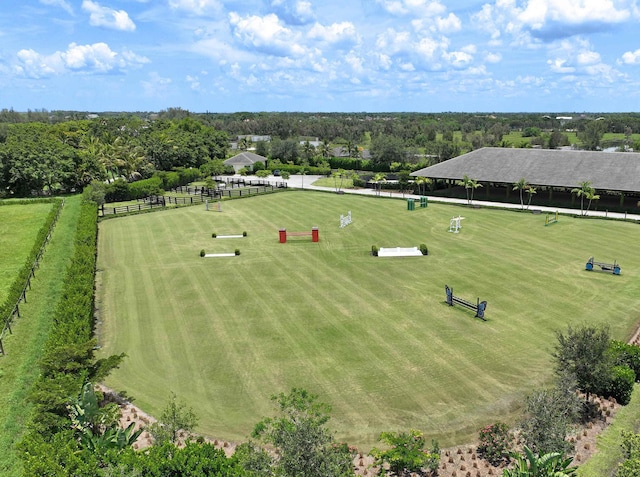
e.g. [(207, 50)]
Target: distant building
[(244, 160)]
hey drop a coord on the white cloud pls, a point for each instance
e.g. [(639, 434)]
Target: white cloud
[(334, 33), (107, 17), (266, 34), (588, 58), (393, 42), (449, 24), (540, 12), (156, 86), (59, 3), (94, 58), (194, 82), (458, 59), (295, 12), (195, 7), (493, 57), (425, 8), (471, 49), (631, 58), (355, 62), (428, 48), (549, 20), (558, 66)]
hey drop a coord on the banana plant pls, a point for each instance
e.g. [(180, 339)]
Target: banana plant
[(553, 464)]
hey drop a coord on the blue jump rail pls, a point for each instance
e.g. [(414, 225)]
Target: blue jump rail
[(479, 307), (613, 268)]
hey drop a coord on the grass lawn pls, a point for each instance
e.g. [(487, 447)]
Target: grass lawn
[(18, 369), (372, 336), (19, 226)]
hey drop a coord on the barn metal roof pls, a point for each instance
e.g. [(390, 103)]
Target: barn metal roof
[(612, 171)]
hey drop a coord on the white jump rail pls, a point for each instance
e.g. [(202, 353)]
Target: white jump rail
[(399, 252)]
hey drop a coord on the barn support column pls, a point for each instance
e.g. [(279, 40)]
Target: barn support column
[(621, 199), (550, 194)]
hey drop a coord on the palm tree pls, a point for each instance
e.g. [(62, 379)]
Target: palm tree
[(531, 465), (339, 174), (470, 185), (521, 186), (531, 191), (591, 195), (378, 179), (422, 182), (585, 190), (325, 149)]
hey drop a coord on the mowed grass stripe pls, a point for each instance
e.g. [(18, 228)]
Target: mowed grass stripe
[(372, 336)]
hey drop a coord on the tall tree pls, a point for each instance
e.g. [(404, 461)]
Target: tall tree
[(470, 185), (592, 134), (583, 352), (584, 191), (521, 186), (304, 446), (378, 179), (422, 184), (175, 417), (387, 149)]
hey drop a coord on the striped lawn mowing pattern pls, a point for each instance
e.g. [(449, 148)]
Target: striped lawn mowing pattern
[(373, 337), (19, 227)]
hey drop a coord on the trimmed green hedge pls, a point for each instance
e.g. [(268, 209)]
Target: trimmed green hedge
[(121, 190), (67, 357)]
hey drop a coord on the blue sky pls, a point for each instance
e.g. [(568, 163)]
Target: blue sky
[(321, 55)]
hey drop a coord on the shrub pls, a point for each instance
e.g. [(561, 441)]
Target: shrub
[(622, 380), (423, 249), (374, 250), (244, 234), (202, 253), (145, 188), (237, 252), (214, 235), (624, 353), (358, 181), (406, 453), (495, 443)]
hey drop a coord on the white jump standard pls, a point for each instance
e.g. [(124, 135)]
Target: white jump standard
[(455, 225), (345, 220)]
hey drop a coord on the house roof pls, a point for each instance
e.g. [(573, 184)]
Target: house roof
[(244, 159), (613, 171)]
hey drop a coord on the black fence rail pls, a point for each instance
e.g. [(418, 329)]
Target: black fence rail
[(197, 195), (15, 310)]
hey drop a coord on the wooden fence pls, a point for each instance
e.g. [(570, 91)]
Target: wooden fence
[(15, 311), (197, 195)]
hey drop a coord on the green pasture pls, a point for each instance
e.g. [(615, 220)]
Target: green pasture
[(372, 336), (19, 227), (19, 367)]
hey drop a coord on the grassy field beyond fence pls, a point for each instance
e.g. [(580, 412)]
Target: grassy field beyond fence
[(18, 369), (372, 336)]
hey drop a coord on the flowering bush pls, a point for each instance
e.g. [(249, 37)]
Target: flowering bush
[(495, 443)]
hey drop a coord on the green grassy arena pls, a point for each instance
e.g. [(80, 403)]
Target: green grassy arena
[(372, 336)]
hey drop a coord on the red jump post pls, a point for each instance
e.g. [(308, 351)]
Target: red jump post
[(315, 234)]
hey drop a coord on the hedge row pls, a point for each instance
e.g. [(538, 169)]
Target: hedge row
[(121, 190), (23, 276), (67, 357)]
